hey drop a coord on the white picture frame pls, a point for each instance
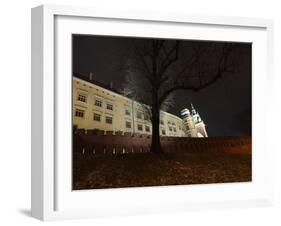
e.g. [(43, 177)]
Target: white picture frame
[(52, 197)]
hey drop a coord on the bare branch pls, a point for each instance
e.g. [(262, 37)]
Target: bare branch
[(171, 57), (187, 85)]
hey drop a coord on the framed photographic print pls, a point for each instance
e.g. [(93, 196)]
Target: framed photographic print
[(137, 112)]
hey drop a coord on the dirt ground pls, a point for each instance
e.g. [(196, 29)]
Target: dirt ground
[(147, 169)]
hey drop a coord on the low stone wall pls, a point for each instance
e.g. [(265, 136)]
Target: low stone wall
[(95, 142)]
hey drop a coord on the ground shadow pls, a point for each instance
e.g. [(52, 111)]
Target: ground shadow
[(26, 212)]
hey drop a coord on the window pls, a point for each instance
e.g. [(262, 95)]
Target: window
[(163, 132), (108, 119), (82, 97), (175, 130), (97, 117), (146, 117), (147, 128), (128, 125), (173, 123), (169, 122), (98, 102), (139, 127), (79, 113), (127, 112), (161, 122), (170, 129), (109, 106), (139, 115), (179, 127)]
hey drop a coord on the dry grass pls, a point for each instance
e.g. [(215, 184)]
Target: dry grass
[(146, 169)]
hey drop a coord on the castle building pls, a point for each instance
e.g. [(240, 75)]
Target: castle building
[(193, 124), (98, 106)]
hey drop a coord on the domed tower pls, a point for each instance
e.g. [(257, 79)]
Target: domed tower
[(188, 122), (198, 123)]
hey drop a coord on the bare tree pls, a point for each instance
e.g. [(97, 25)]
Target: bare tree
[(139, 89), (158, 68)]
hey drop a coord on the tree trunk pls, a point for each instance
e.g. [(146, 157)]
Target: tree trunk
[(155, 108), (155, 141)]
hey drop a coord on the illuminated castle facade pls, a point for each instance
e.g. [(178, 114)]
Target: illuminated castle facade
[(99, 106)]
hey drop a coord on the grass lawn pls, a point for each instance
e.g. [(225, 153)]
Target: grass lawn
[(146, 169)]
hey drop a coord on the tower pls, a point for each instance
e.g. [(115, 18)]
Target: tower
[(199, 124), (194, 125), (188, 122)]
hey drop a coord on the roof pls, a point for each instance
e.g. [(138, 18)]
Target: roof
[(101, 84)]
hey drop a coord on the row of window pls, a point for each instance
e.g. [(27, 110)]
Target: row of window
[(147, 128), (139, 126), (141, 115), (96, 117), (146, 117), (109, 106), (98, 102), (172, 129), (109, 120), (171, 123)]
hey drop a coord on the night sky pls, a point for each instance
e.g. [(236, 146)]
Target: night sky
[(224, 106)]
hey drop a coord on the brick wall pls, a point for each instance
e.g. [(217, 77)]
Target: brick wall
[(97, 142)]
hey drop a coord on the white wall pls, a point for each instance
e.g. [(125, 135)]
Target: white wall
[(15, 111)]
